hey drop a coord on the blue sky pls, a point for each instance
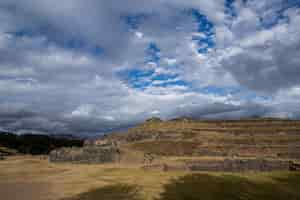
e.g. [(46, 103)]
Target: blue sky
[(90, 67)]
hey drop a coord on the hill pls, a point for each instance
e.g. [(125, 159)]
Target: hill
[(217, 145), (35, 144), (274, 138)]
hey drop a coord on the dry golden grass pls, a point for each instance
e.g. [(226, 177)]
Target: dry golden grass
[(67, 180), (40, 180)]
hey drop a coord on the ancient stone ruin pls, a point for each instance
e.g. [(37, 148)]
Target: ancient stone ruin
[(239, 165), (87, 154), (228, 165), (191, 145)]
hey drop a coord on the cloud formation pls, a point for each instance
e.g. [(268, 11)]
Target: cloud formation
[(88, 67)]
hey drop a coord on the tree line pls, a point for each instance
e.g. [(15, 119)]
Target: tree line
[(36, 144)]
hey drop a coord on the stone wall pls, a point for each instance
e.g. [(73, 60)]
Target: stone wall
[(239, 165), (228, 165), (87, 154)]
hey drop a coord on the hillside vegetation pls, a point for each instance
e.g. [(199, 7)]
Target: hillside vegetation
[(35, 144)]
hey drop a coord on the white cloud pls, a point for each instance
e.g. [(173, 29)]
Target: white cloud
[(155, 112), (67, 74), (139, 34), (170, 61), (83, 111)]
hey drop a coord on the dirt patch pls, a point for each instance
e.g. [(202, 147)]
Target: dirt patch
[(25, 191)]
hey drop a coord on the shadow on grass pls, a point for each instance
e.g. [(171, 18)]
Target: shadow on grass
[(112, 192), (230, 187)]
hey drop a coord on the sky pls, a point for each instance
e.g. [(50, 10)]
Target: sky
[(87, 67)]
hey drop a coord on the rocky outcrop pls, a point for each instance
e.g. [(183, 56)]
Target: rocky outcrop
[(87, 154)]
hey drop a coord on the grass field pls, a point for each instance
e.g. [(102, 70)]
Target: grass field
[(34, 178)]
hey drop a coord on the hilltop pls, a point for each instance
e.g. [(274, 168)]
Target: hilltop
[(245, 138), (259, 144)]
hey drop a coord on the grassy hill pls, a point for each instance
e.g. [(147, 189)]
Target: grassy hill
[(268, 138)]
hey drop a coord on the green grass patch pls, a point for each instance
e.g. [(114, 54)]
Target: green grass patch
[(111, 192), (231, 187)]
